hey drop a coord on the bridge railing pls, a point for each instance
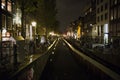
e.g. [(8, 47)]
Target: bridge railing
[(32, 69), (105, 73)]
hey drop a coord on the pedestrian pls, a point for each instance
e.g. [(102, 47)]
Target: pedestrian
[(14, 46)]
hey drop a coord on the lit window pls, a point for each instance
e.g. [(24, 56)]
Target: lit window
[(3, 5), (9, 6), (106, 28), (106, 33)]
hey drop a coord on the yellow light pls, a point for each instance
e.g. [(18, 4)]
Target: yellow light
[(52, 33), (34, 23), (79, 32)]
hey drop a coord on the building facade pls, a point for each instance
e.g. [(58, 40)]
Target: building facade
[(6, 16), (89, 19), (114, 18), (102, 20)]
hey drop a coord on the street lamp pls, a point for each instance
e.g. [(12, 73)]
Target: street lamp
[(33, 24)]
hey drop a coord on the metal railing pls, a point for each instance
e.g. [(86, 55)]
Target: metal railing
[(31, 68), (102, 69)]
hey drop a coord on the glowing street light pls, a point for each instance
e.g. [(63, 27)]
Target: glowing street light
[(34, 23)]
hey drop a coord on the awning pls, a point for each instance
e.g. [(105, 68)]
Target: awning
[(19, 38)]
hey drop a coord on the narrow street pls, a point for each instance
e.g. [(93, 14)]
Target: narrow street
[(62, 65)]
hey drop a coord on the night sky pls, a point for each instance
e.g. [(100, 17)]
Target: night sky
[(69, 10)]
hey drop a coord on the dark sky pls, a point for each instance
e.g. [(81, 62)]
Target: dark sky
[(69, 10)]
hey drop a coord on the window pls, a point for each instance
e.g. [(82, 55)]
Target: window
[(90, 9), (101, 1), (102, 29), (111, 2), (3, 4), (9, 6), (101, 17), (101, 8), (98, 10), (85, 13), (115, 13), (118, 26), (110, 27), (118, 1), (119, 11), (3, 20), (115, 1), (106, 16), (111, 17), (97, 1), (98, 31), (98, 19), (9, 22), (114, 29), (106, 6)]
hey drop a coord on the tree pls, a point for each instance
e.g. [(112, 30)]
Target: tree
[(42, 11), (26, 6), (47, 14)]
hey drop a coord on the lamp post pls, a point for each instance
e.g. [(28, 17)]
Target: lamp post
[(34, 25)]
